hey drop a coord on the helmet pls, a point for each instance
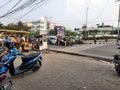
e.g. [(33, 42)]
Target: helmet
[(9, 43)]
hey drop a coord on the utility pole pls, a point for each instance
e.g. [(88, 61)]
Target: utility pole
[(86, 16), (118, 19), (86, 21)]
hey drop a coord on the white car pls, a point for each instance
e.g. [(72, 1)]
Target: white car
[(53, 40)]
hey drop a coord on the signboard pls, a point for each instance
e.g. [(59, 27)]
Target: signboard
[(60, 31)]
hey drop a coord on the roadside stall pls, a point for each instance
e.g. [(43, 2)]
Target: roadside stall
[(42, 39)]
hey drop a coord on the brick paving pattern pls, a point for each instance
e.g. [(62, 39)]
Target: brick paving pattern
[(67, 72)]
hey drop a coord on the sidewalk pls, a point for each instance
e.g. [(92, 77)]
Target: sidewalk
[(77, 50)]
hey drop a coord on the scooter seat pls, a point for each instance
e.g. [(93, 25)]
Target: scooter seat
[(29, 57)]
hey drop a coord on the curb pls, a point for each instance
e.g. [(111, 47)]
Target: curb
[(85, 55), (99, 43)]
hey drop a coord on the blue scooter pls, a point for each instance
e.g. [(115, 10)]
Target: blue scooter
[(5, 84), (29, 62)]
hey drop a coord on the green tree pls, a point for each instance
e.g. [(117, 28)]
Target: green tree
[(67, 33), (52, 32), (1, 25), (70, 34), (26, 28), (11, 27), (93, 32), (20, 25)]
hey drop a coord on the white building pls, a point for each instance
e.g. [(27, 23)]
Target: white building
[(42, 25)]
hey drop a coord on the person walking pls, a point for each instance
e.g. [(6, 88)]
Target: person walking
[(95, 40), (106, 40), (22, 42), (59, 40)]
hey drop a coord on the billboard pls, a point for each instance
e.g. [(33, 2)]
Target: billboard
[(60, 31)]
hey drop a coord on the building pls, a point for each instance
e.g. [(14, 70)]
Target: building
[(98, 30), (42, 25)]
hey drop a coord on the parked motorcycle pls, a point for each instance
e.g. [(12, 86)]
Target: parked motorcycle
[(117, 62), (29, 62), (5, 84)]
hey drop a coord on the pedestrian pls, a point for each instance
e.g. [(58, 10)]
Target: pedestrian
[(106, 40), (59, 40), (117, 41), (95, 40), (65, 41), (22, 37), (22, 42)]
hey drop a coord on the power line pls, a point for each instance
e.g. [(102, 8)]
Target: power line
[(14, 6), (24, 5), (5, 4), (35, 7), (11, 9), (102, 9)]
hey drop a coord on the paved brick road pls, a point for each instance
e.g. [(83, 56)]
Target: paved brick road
[(67, 72)]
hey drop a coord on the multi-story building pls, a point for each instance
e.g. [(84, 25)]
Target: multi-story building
[(42, 25)]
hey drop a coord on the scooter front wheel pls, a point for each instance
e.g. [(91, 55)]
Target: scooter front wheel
[(37, 66), (117, 68)]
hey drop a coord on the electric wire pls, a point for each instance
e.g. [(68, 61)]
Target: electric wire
[(35, 7), (102, 9), (14, 5), (23, 6), (11, 9), (5, 4)]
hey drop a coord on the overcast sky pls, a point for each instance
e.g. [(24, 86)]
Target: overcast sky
[(69, 13)]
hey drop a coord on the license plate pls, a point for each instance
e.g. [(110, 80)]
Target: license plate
[(7, 85)]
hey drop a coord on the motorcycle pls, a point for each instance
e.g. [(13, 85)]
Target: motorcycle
[(5, 84), (29, 62), (117, 62)]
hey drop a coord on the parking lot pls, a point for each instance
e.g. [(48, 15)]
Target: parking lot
[(68, 72)]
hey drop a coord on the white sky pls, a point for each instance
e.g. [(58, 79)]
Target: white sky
[(69, 13)]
